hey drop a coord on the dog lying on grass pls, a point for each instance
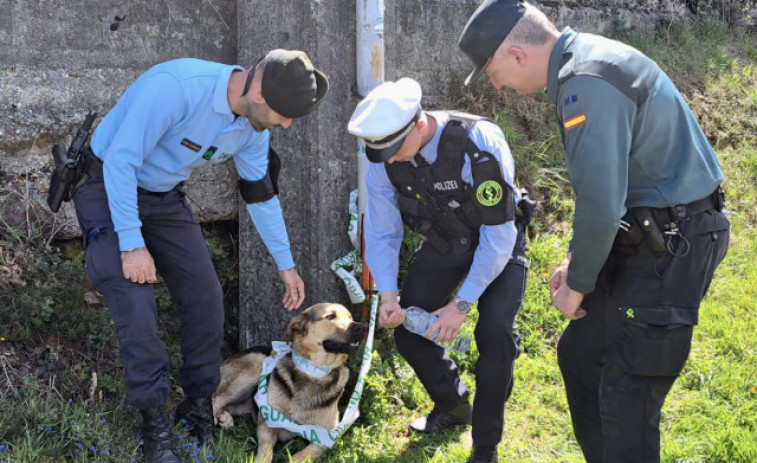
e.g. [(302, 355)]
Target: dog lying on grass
[(323, 335)]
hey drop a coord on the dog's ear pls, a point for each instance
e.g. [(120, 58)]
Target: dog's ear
[(298, 324)]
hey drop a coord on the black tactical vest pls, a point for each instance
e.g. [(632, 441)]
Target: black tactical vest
[(434, 201)]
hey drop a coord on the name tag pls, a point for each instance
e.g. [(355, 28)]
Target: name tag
[(191, 145)]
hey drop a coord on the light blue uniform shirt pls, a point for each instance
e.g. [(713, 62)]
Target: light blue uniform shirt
[(383, 223), (174, 118)]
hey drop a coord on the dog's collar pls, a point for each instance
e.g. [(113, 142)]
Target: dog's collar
[(309, 368), (302, 364)]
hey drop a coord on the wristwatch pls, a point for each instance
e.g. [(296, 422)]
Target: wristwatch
[(462, 305)]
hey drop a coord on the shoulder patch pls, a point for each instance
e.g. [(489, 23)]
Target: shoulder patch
[(574, 121)]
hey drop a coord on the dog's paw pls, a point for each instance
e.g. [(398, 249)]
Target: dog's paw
[(224, 419)]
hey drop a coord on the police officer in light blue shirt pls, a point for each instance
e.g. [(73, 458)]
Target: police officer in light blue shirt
[(449, 176), (135, 220)]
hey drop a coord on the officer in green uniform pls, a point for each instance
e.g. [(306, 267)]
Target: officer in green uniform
[(649, 228)]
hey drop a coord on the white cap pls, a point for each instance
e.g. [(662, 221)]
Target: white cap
[(385, 116)]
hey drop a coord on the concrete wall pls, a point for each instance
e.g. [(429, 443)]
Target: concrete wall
[(59, 59)]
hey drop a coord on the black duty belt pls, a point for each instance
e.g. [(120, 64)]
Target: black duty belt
[(95, 166), (681, 212), (659, 225), (179, 187)]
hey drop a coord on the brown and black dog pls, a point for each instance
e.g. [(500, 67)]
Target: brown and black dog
[(325, 335)]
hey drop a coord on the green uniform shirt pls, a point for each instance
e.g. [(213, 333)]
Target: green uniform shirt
[(630, 140)]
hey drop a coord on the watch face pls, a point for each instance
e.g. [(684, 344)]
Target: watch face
[(463, 306)]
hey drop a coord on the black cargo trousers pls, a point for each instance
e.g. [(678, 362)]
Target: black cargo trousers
[(181, 257), (429, 283), (619, 361)]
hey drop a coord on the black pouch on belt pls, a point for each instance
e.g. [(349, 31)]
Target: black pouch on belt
[(652, 232)]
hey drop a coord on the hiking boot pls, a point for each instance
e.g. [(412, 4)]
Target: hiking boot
[(440, 420), (158, 438), (197, 413), (484, 455)]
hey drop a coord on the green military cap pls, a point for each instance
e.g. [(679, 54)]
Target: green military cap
[(486, 30), (291, 85)]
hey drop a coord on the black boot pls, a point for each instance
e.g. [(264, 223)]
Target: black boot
[(439, 420), (197, 413), (158, 438), (484, 455)]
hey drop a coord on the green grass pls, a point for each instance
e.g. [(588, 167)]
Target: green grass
[(50, 343)]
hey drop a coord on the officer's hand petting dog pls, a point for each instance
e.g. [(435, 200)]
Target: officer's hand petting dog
[(295, 289), (449, 322), (567, 301), (391, 314), (138, 266)]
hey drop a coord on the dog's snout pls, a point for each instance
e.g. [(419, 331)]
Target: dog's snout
[(357, 328)]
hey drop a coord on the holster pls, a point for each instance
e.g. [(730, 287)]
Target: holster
[(652, 232), (525, 208), (639, 224)]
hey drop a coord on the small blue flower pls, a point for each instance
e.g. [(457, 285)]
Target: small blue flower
[(105, 420), (71, 422), (79, 446), (93, 448), (48, 429), (70, 400), (105, 451), (210, 456), (2, 448)]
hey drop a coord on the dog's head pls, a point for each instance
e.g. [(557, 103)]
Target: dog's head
[(325, 334)]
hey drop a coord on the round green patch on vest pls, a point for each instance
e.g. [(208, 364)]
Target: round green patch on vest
[(489, 193)]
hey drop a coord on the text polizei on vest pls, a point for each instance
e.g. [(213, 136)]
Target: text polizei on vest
[(446, 185)]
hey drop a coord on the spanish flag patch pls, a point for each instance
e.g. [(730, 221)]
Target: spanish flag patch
[(574, 121)]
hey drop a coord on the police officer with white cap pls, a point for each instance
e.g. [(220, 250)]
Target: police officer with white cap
[(449, 176)]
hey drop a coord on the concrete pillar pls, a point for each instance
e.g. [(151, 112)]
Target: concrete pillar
[(318, 161)]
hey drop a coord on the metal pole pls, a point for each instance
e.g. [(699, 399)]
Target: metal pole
[(370, 73)]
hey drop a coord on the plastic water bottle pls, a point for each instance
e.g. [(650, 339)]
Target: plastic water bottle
[(419, 321)]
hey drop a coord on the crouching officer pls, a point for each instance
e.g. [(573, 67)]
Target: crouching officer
[(449, 176), (133, 214), (649, 228)]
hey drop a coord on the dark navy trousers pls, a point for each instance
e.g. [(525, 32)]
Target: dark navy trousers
[(619, 361), (431, 279), (181, 257)]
